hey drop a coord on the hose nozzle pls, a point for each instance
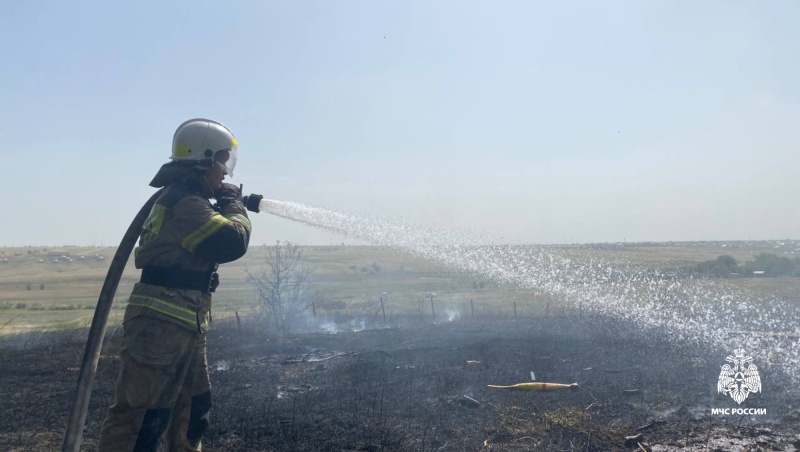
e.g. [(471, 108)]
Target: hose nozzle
[(252, 201)]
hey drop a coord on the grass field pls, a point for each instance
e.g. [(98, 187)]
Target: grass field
[(56, 287)]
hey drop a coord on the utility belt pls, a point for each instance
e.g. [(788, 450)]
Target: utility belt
[(178, 278)]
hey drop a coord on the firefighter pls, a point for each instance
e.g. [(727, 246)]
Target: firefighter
[(163, 383)]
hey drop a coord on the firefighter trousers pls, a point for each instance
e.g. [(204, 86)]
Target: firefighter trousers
[(163, 386)]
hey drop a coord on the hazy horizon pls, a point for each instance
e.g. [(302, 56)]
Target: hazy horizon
[(361, 243), (540, 123)]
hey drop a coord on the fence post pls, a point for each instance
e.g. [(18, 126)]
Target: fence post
[(314, 309), (472, 307), (383, 311), (515, 309), (547, 309), (238, 321)]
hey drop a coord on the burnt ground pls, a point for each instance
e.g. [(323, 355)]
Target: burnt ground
[(411, 389)]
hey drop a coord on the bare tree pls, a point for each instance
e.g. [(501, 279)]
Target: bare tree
[(284, 286)]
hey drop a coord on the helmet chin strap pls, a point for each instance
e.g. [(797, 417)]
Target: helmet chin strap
[(206, 163), (201, 164)]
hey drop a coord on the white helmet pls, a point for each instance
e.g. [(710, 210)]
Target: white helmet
[(205, 142)]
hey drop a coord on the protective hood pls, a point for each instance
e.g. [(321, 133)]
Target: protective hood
[(178, 172)]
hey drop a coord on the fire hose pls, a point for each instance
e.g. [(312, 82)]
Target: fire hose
[(91, 355), (97, 331)]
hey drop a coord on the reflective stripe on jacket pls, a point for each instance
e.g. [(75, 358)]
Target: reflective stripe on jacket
[(187, 308)]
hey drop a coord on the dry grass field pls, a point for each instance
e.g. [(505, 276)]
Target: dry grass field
[(56, 287), (46, 288)]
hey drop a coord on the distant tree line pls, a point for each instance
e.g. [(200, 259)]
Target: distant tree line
[(770, 264)]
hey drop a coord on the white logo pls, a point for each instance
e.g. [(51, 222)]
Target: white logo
[(740, 380)]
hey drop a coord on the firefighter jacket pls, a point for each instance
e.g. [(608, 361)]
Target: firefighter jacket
[(183, 241)]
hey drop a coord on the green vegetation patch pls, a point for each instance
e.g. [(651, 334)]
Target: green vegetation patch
[(764, 264)]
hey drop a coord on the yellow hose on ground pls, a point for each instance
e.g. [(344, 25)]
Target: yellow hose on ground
[(537, 386)]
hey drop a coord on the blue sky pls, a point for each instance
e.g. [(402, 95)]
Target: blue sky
[(542, 122)]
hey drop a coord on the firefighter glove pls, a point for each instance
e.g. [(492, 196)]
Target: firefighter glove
[(227, 195)]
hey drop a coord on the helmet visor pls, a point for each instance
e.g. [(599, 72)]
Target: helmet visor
[(226, 158)]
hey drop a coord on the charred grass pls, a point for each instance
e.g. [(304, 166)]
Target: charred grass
[(423, 388)]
